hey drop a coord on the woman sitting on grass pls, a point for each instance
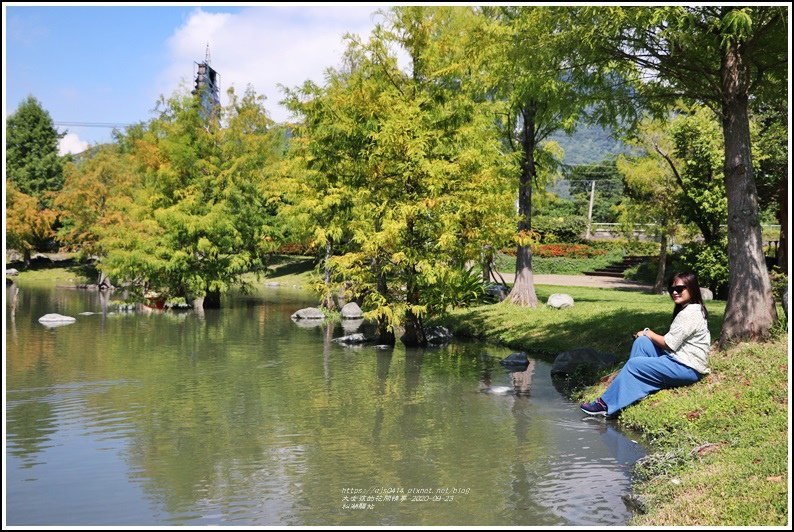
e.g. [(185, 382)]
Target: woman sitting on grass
[(678, 358)]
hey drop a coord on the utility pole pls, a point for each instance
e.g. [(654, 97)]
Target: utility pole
[(590, 209)]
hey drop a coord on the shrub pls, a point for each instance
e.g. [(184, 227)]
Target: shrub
[(709, 263), (644, 272), (560, 228), (627, 247), (455, 288), (779, 281)]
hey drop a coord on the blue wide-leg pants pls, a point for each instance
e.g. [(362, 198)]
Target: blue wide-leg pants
[(648, 370)]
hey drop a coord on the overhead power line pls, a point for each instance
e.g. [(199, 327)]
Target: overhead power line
[(92, 124)]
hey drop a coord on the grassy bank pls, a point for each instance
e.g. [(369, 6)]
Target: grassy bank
[(58, 276), (287, 271), (722, 444), (601, 318), (720, 452)]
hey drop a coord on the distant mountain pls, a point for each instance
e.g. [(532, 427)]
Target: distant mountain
[(588, 145)]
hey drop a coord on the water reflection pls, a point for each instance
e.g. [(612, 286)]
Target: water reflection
[(33, 424), (522, 380), (243, 417)]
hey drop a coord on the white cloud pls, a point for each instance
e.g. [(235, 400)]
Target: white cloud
[(71, 143), (265, 47)]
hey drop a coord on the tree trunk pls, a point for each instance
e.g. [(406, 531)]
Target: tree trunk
[(487, 264), (414, 335), (103, 281), (414, 330), (198, 306), (782, 218), (328, 300), (523, 292), (210, 299), (750, 311), (382, 333), (658, 286)]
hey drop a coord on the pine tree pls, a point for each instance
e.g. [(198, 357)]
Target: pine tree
[(32, 160)]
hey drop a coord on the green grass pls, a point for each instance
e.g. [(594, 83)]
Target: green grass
[(601, 318), (72, 275), (741, 409), (287, 271)]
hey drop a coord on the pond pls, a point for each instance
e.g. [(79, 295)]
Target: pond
[(245, 418)]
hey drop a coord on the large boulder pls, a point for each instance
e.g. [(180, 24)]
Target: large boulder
[(56, 320), (559, 301), (582, 360), (706, 294), (437, 335), (497, 291), (310, 313), (12, 271), (352, 311)]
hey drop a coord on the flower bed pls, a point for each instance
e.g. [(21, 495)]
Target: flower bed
[(571, 251)]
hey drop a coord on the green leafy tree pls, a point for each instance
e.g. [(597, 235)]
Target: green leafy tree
[(325, 164), (86, 204), (525, 59), (697, 166), (653, 195), (32, 160), (206, 211), (404, 163), (689, 146), (27, 224), (720, 56)]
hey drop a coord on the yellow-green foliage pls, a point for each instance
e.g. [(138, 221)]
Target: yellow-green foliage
[(204, 209), (91, 197), (27, 223), (403, 177)]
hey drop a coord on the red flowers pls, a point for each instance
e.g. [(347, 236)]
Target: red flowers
[(573, 251)]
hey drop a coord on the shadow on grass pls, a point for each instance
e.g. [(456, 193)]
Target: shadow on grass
[(42, 262), (292, 268), (85, 270), (542, 333)]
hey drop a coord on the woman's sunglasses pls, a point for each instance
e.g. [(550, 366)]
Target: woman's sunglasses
[(676, 289)]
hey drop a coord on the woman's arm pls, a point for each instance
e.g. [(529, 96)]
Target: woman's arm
[(657, 339)]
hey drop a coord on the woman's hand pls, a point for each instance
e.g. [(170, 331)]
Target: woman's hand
[(656, 339)]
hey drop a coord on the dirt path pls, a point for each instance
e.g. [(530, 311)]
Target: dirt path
[(585, 280)]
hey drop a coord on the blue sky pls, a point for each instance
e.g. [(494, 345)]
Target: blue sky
[(110, 64)]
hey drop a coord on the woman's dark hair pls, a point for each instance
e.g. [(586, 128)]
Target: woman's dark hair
[(689, 280)]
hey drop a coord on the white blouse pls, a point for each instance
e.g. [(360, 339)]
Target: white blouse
[(689, 338)]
